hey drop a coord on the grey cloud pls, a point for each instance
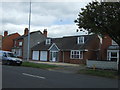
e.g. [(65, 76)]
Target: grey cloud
[(44, 14)]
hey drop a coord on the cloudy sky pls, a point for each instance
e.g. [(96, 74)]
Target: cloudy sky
[(57, 17)]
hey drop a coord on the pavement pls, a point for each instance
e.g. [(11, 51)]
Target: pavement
[(63, 67)]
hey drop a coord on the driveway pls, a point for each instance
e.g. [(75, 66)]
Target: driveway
[(63, 67)]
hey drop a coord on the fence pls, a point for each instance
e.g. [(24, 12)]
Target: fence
[(102, 64)]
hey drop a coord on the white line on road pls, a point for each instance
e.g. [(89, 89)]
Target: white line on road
[(33, 75)]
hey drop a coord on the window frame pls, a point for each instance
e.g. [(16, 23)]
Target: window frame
[(109, 54), (74, 53), (20, 43), (48, 41), (80, 40)]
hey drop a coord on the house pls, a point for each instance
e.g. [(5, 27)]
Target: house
[(71, 49), (1, 42), (109, 49), (18, 44), (108, 56), (21, 43), (7, 40)]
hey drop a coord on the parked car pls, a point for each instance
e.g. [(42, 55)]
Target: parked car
[(9, 58)]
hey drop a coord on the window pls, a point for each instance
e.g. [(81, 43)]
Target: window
[(114, 43), (48, 41), (80, 40), (113, 55), (18, 52), (20, 43), (15, 44), (76, 54)]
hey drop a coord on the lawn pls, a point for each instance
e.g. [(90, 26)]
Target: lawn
[(36, 65), (99, 72)]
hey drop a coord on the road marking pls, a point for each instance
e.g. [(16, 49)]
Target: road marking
[(33, 75)]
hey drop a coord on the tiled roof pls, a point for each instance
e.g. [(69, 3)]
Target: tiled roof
[(66, 43), (21, 37), (9, 35)]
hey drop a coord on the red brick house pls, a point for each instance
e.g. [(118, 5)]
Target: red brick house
[(7, 40), (71, 49), (109, 49)]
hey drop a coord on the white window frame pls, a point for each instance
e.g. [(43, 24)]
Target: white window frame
[(20, 43), (114, 43), (80, 40), (72, 54), (48, 41), (109, 54)]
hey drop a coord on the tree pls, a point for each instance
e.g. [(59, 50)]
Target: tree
[(101, 18)]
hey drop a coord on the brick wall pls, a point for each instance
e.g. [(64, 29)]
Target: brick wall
[(7, 42), (107, 41)]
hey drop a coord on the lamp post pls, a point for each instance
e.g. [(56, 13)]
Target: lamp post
[(29, 33)]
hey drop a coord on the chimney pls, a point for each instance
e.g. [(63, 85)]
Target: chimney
[(45, 32), (26, 31), (5, 33)]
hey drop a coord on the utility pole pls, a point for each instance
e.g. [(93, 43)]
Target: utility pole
[(28, 52)]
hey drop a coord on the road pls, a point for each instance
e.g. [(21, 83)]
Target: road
[(26, 77)]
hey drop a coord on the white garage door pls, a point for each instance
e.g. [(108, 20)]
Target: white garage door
[(35, 55), (43, 56)]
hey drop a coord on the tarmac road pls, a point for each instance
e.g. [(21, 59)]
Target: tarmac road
[(26, 77)]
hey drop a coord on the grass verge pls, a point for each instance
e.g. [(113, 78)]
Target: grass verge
[(98, 72), (36, 65)]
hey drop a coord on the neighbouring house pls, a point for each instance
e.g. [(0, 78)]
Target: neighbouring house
[(18, 44), (108, 56), (1, 42), (21, 43), (109, 49), (7, 40), (71, 49)]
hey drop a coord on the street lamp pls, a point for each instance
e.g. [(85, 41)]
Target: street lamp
[(29, 33)]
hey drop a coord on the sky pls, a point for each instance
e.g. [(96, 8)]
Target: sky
[(55, 16)]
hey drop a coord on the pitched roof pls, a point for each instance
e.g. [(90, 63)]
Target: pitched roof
[(21, 37), (66, 43), (10, 35)]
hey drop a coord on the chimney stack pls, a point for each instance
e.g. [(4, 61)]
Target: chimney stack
[(26, 31), (5, 33), (45, 32)]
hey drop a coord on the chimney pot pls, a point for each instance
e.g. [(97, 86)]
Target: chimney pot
[(26, 31), (45, 32), (5, 33)]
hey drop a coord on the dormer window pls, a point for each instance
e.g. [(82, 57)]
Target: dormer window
[(80, 40), (114, 43), (48, 41)]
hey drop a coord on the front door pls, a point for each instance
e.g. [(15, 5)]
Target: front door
[(53, 56)]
